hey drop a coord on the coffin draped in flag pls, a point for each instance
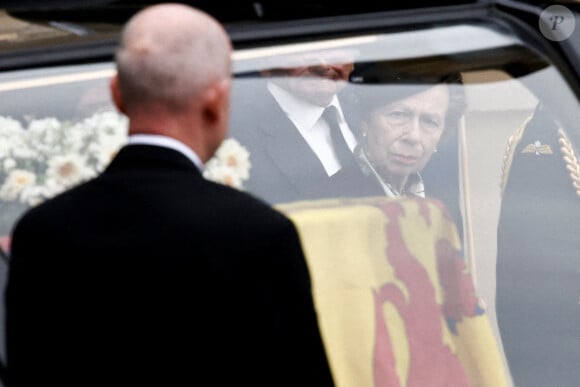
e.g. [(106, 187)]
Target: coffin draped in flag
[(395, 300)]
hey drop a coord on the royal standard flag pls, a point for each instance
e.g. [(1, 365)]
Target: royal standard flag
[(395, 300)]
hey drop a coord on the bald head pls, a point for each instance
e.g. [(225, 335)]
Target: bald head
[(173, 76), (170, 53)]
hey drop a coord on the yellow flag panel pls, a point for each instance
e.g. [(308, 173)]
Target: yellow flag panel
[(395, 300)]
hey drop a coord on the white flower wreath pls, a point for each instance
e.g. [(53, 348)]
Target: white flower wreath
[(49, 156)]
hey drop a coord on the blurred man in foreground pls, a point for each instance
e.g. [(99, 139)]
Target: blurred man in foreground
[(150, 274)]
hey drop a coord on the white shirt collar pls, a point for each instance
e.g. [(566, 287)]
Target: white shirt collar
[(167, 142)]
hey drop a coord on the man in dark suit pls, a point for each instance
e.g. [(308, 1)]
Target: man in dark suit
[(150, 274), (538, 255), (281, 119)]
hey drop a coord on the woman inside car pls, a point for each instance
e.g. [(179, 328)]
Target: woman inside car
[(401, 126), (408, 129)]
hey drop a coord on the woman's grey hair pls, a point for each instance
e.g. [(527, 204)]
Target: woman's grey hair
[(379, 89)]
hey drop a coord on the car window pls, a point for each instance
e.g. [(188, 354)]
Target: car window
[(58, 128), (506, 85)]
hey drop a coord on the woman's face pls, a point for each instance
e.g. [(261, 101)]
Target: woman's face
[(402, 136)]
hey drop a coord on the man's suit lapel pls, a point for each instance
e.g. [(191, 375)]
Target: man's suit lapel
[(288, 150)]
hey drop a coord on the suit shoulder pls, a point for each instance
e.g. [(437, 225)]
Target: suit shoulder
[(231, 199)]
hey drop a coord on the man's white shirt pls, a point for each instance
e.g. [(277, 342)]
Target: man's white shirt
[(307, 118)]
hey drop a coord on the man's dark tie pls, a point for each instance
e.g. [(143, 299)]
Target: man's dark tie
[(341, 149)]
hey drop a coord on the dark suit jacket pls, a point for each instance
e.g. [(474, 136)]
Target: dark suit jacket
[(284, 167), (538, 262), (151, 275)]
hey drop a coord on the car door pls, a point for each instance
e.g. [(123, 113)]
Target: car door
[(504, 181)]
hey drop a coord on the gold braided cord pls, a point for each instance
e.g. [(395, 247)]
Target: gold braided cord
[(508, 156), (572, 164)]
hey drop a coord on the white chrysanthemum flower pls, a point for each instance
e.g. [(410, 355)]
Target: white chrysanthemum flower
[(35, 194), (110, 123), (68, 170), (9, 164), (76, 139), (52, 187), (223, 174), (235, 156), (16, 181), (22, 150), (230, 164), (111, 130), (107, 126), (11, 135), (9, 125), (105, 155), (45, 132), (5, 147)]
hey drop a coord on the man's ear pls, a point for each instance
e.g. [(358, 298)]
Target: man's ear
[(216, 99), (116, 94)]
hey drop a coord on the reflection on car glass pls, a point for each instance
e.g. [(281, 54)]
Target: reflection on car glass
[(288, 136)]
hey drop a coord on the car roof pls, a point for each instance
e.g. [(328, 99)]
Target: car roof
[(88, 30)]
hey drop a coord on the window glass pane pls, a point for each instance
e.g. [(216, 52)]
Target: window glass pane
[(482, 124), (461, 144)]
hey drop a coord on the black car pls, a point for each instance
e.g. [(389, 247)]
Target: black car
[(502, 188)]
